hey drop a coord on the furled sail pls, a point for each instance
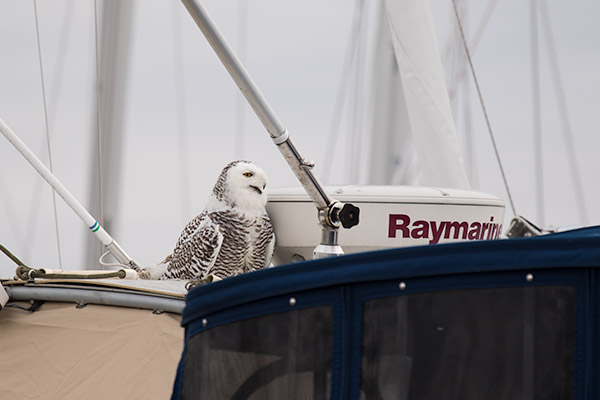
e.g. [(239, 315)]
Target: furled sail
[(414, 136)]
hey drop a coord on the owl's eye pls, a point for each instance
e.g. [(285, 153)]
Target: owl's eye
[(247, 174)]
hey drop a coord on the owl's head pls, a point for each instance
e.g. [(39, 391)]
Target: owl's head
[(242, 185)]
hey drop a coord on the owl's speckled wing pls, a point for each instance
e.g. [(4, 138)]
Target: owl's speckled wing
[(196, 250)]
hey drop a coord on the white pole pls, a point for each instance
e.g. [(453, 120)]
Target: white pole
[(278, 133), (71, 201), (331, 212)]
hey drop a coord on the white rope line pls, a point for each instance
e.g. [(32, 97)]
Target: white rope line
[(39, 48), (98, 127), (487, 120)]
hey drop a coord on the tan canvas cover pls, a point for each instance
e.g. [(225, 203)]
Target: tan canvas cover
[(96, 352)]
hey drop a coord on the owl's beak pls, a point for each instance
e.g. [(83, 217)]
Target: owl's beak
[(257, 188)]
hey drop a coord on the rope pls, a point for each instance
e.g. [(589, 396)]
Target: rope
[(34, 306), (39, 48), (12, 256), (487, 120), (26, 273)]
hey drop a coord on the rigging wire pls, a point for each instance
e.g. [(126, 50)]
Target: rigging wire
[(468, 129), (563, 112), (354, 142), (53, 94), (460, 100), (487, 120), (466, 105), (181, 126), (460, 88), (50, 165), (9, 210), (240, 104), (452, 56), (98, 127), (474, 43), (33, 216), (537, 114), (59, 65), (340, 98)]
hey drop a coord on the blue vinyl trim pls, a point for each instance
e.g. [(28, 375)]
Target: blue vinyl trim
[(549, 277), (273, 305), (574, 249)]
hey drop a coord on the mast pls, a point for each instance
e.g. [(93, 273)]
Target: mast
[(538, 162), (107, 151)]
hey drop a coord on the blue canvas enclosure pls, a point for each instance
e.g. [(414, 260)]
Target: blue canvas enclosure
[(499, 319)]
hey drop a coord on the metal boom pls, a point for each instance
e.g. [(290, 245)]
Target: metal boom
[(329, 210)]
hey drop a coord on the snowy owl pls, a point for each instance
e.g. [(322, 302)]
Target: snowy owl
[(233, 234)]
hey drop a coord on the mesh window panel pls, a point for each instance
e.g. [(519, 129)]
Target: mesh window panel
[(279, 356), (510, 343)]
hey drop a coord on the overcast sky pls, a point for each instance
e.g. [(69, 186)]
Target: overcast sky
[(295, 53)]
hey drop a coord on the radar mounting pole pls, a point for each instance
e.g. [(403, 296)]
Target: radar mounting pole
[(332, 213)]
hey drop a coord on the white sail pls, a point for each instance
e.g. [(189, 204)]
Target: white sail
[(421, 145), (393, 157)]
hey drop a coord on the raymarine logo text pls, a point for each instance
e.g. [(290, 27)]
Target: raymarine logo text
[(400, 224)]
